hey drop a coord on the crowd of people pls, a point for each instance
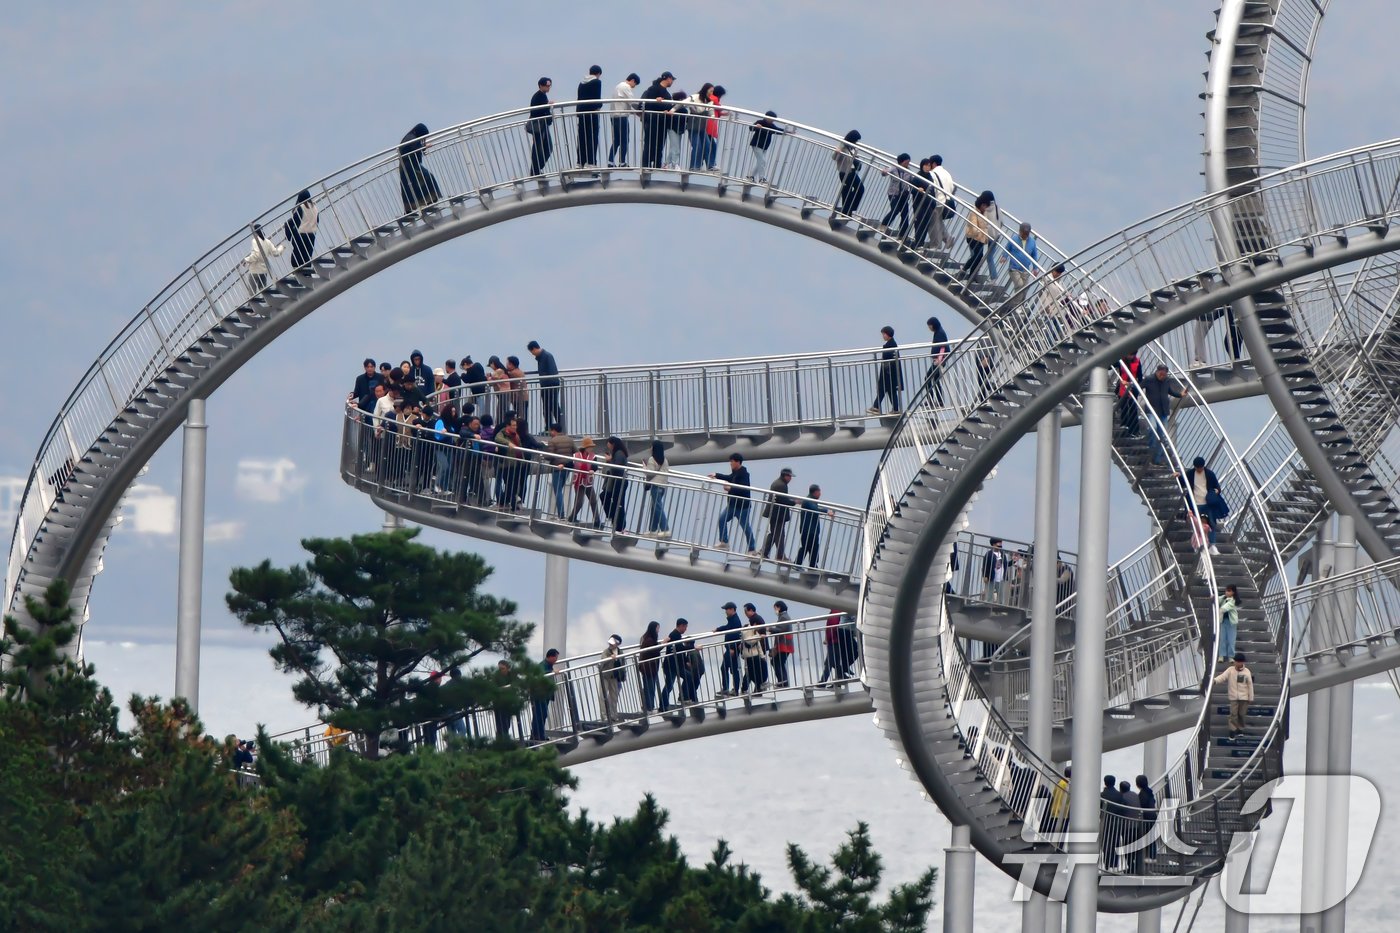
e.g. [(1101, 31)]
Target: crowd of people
[(397, 405)]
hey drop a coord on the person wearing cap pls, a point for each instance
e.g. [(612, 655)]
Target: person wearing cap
[(729, 657), (547, 369), (610, 676), (898, 194), (621, 109), (438, 396), (737, 504), (590, 95), (1239, 688), (848, 166), (1204, 487), (760, 139), (584, 466), (1160, 389), (540, 710), (540, 127), (809, 529), (656, 104), (942, 183), (777, 510)]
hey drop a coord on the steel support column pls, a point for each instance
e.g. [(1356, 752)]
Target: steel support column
[(1334, 918), (556, 603), (1315, 760), (1043, 568), (1090, 620), (190, 593), (959, 890), (1154, 762)]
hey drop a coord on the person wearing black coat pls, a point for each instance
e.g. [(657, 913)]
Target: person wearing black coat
[(889, 381), (300, 229), (737, 502), (1130, 830), (540, 128), (417, 186), (473, 376), (679, 662), (549, 382), (1112, 815), (1147, 800), (589, 89), (656, 105), (421, 374), (615, 484)]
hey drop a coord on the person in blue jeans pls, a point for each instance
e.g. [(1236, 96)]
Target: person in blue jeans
[(656, 485), (738, 502), (540, 712), (729, 660), (1229, 623)]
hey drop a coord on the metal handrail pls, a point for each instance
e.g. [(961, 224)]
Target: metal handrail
[(533, 485), (752, 394), (577, 707), (473, 162)]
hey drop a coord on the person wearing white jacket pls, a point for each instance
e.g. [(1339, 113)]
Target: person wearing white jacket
[(625, 90), (263, 249)]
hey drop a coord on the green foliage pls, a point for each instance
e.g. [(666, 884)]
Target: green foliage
[(150, 830), (362, 621)]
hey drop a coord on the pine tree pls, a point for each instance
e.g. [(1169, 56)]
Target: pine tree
[(843, 895), (362, 623)]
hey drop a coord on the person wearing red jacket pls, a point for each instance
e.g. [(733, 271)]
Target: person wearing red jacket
[(1129, 372)]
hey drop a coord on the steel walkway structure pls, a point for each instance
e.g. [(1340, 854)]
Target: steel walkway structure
[(1299, 254)]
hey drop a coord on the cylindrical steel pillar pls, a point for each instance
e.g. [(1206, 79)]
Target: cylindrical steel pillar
[(1090, 620), (959, 889), (1340, 713), (190, 593), (1315, 761), (1154, 764), (556, 603), (1044, 567)]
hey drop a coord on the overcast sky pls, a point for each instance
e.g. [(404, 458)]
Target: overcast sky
[(140, 134)]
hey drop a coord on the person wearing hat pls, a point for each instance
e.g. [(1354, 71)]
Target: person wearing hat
[(590, 89), (737, 504), (540, 127), (1160, 389), (1239, 688), (584, 466), (777, 510), (729, 659), (1205, 490), (760, 138), (611, 673), (656, 104), (621, 109)]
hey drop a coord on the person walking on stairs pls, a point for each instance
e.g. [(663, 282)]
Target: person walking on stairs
[(1229, 623), (1239, 684)]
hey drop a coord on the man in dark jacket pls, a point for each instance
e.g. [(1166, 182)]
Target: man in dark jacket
[(550, 383), (1111, 813), (995, 570), (737, 504), (778, 509), (1160, 389), (889, 382), (473, 376), (540, 716), (421, 373), (362, 396), (939, 353), (540, 127), (589, 89), (729, 661), (809, 528), (656, 104), (677, 663)]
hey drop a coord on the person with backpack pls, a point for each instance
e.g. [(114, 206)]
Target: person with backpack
[(753, 648), (782, 642)]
